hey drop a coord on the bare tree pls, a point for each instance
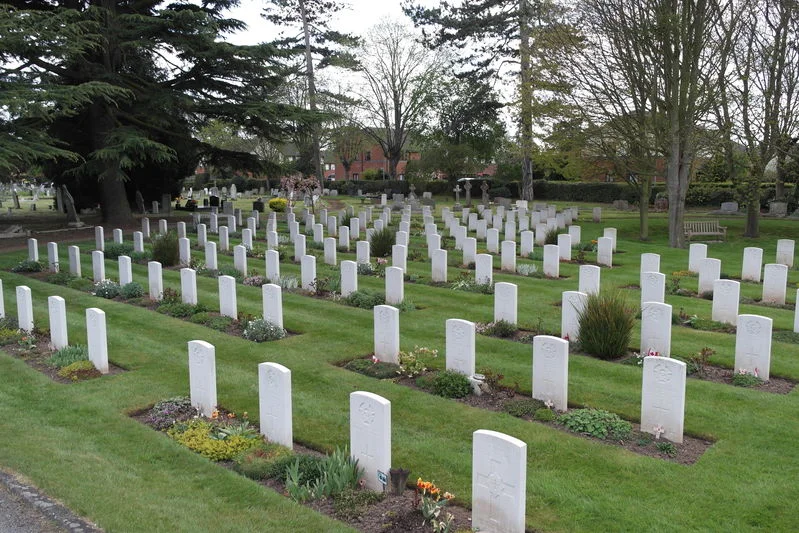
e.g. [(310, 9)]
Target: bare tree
[(399, 81)]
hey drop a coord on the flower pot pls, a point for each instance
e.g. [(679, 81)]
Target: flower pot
[(398, 478)]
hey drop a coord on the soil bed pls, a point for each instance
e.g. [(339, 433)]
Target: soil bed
[(37, 357)]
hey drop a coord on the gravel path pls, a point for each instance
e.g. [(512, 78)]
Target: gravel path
[(24, 509)]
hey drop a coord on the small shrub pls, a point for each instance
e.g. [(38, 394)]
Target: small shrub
[(232, 272), (167, 412), (140, 257), (165, 249), (60, 278), (106, 289), (501, 328), (527, 269), (552, 236), (742, 378), (80, 284), (66, 356), (254, 281), (605, 325), (114, 250), (200, 436), (288, 282), (180, 309), (200, 318), (425, 382), (9, 336), (337, 472), (451, 384), (699, 362), (366, 269), (523, 407), (596, 423), (278, 205), (170, 296), (365, 298), (258, 463), (666, 448), (373, 368), (411, 363), (381, 243), (260, 330), (544, 415), (27, 266), (131, 290), (350, 503), (79, 370), (219, 323)]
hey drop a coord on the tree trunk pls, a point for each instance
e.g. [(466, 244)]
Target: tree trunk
[(316, 157), (752, 228), (526, 93), (643, 208), (114, 202), (113, 198)]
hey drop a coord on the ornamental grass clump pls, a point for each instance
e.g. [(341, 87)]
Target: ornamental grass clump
[(68, 355), (165, 249), (606, 325), (382, 242)]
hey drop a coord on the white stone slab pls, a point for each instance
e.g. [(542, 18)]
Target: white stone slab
[(57, 308), (469, 251), (344, 238), (362, 252), (202, 376), (308, 272), (551, 260), (272, 303), (575, 232), (184, 251), (460, 346), (99, 238), (299, 247), (726, 296), (492, 241), (370, 436), (752, 264), (163, 227), (653, 287), (395, 285), (499, 482), (656, 328), (650, 263), (527, 240), (709, 272), (551, 370), (188, 286), (399, 256), (98, 266), (589, 279), (508, 260), (96, 339), (224, 239), (484, 269), (240, 259), (274, 403), (663, 398), (125, 270), (785, 251), (604, 251), (775, 279), (386, 333), (24, 308), (52, 257), (155, 280), (610, 233), (439, 266), (272, 266), (228, 305), (697, 252), (564, 247), (753, 345), (74, 261), (571, 305), (138, 242), (505, 302), (349, 278)]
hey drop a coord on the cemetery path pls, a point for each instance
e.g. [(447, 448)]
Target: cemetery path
[(24, 509)]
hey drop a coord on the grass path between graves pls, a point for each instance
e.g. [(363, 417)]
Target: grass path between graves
[(77, 443)]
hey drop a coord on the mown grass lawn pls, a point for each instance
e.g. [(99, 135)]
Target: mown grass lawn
[(78, 443)]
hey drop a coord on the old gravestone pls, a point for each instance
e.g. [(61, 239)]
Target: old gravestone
[(460, 346), (274, 403), (370, 437), (656, 328), (551, 370), (202, 376), (753, 345), (663, 398), (499, 482), (386, 333)]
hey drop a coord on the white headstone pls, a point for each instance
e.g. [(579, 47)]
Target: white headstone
[(308, 272), (656, 328), (726, 296), (52, 257), (145, 227), (273, 266), (653, 287), (696, 254), (202, 376), (439, 266), (58, 322), (98, 265), (469, 251), (541, 234), (505, 302), (349, 278), (163, 226), (299, 247), (604, 251), (564, 247), (125, 270), (752, 264), (399, 256), (775, 279), (551, 370), (74, 260), (492, 241), (246, 238), (181, 229), (395, 285), (224, 239), (460, 346), (551, 260), (210, 256), (344, 238), (99, 238), (274, 403), (527, 240), (611, 234), (508, 256), (362, 252), (370, 436), (575, 232), (228, 305), (795, 314), (650, 263), (24, 308), (272, 303), (589, 279), (355, 228), (188, 286), (484, 269), (596, 214), (709, 272), (155, 281), (753, 345), (785, 249), (138, 242), (663, 398), (571, 305), (96, 339), (240, 259), (386, 333), (499, 482), (184, 250)]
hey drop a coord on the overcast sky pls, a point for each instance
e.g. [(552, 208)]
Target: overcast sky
[(360, 16)]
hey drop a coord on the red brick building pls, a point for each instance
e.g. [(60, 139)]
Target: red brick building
[(372, 157)]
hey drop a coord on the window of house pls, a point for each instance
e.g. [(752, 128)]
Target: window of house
[(368, 156), (355, 176)]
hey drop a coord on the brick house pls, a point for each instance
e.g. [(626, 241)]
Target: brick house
[(372, 157)]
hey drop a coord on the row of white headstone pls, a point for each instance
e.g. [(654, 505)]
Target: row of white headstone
[(499, 468), (59, 338)]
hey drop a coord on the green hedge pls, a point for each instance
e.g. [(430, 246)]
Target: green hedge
[(351, 187)]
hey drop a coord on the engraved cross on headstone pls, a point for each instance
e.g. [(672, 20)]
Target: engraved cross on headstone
[(468, 188), (457, 190)]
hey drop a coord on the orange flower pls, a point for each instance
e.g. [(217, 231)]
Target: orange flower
[(448, 495), (231, 415), (215, 414)]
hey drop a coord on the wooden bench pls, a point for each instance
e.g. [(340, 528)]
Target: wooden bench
[(704, 227)]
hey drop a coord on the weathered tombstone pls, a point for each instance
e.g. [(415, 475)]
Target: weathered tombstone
[(696, 254), (729, 207), (785, 250), (52, 256), (775, 279), (551, 370), (74, 260), (460, 346), (484, 269), (752, 264), (469, 251), (125, 270), (273, 266), (709, 272), (499, 482), (505, 302), (184, 251), (656, 328), (213, 223), (96, 339), (98, 266), (188, 286), (596, 214), (99, 238), (386, 333), (527, 240), (370, 437), (604, 254), (344, 238), (69, 204), (246, 238), (299, 247), (653, 287), (650, 263), (572, 303), (210, 256), (611, 234), (510, 231), (145, 227), (308, 272), (663, 398), (564, 247), (58, 322), (163, 226), (272, 303), (202, 376), (33, 250), (726, 295), (274, 403), (399, 256), (439, 266), (362, 252), (395, 285), (589, 276), (492, 240), (228, 305), (575, 232), (24, 309), (349, 278), (156, 282), (508, 258), (541, 231), (138, 242), (551, 260)]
